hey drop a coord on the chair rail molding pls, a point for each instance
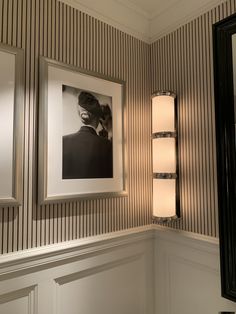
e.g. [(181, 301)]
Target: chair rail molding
[(47, 255)]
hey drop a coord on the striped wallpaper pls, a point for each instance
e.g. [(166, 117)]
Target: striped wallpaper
[(183, 62), (180, 61), (52, 29)]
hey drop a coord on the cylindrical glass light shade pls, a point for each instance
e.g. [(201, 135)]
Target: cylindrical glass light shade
[(164, 155), (163, 113), (164, 201)]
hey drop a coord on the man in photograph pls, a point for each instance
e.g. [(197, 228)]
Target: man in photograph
[(87, 155)]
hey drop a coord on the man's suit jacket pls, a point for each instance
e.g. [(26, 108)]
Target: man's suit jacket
[(86, 155)]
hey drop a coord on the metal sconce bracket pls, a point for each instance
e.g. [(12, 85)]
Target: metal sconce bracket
[(164, 93), (164, 135), (165, 176), (162, 220)]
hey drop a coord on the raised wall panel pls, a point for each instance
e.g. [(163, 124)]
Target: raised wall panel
[(187, 274), (161, 271), (18, 301), (113, 274), (118, 287), (193, 286)]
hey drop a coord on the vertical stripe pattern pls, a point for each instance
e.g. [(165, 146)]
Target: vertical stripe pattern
[(182, 61), (52, 29)]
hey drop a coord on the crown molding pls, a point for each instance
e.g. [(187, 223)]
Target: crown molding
[(131, 19), (181, 13), (116, 14)]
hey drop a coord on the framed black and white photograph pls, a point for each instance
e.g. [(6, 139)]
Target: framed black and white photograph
[(81, 153), (12, 124)]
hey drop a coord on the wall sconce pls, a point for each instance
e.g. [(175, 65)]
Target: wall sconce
[(164, 155)]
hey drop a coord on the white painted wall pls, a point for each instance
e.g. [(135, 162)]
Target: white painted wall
[(187, 274), (149, 270), (109, 276)]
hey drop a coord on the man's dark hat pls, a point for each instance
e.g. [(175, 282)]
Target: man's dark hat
[(90, 103)]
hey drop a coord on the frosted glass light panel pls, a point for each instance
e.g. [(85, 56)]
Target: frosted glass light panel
[(164, 198), (163, 113), (164, 155)]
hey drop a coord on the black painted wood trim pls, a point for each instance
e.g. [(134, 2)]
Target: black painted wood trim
[(226, 151)]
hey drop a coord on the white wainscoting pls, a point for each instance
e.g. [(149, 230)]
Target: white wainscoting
[(140, 271), (111, 274), (187, 274)]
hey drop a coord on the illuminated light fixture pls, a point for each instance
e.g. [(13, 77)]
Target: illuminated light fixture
[(164, 156)]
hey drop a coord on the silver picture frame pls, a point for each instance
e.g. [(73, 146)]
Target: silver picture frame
[(12, 114), (52, 188)]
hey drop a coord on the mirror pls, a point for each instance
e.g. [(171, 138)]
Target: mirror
[(224, 34)]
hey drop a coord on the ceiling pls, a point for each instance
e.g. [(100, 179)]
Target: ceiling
[(149, 8), (147, 20)]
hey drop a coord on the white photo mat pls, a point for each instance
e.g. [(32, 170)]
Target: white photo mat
[(52, 187)]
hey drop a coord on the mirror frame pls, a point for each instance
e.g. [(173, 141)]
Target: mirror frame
[(226, 151)]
